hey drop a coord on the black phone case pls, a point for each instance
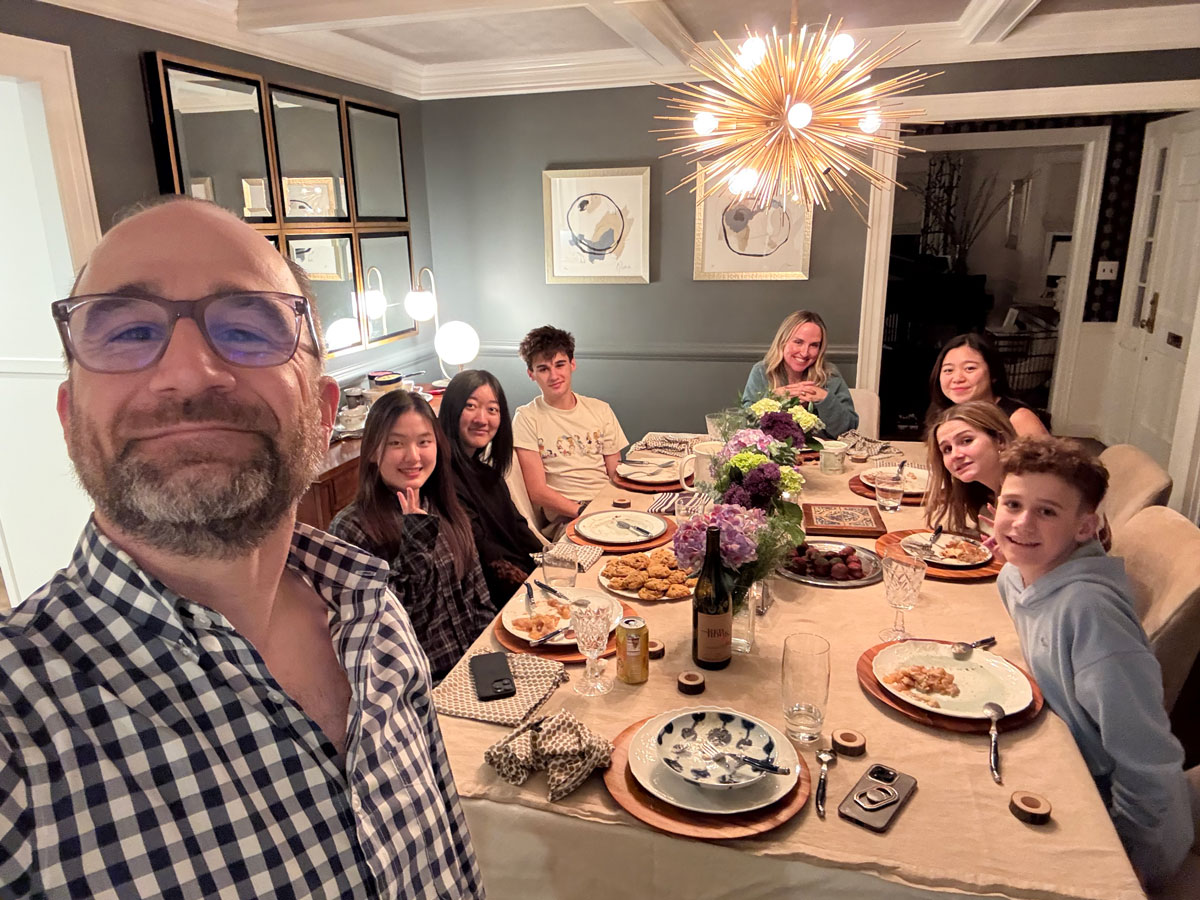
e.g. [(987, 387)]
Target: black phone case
[(878, 780), (493, 678)]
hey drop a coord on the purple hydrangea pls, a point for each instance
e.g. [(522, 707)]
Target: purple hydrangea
[(761, 484), (781, 426), (736, 495), (739, 536), (746, 439)]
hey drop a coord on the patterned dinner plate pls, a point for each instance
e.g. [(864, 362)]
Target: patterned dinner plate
[(622, 526), (681, 748), (655, 474)]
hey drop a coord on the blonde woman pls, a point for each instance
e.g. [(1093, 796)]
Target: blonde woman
[(963, 445), (795, 366)]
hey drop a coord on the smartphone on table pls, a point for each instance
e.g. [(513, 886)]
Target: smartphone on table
[(877, 798), (492, 676)]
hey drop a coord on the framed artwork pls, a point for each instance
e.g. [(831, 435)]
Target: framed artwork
[(201, 188), (311, 197), (597, 225), (255, 198), (736, 240), (1018, 202), (322, 258)]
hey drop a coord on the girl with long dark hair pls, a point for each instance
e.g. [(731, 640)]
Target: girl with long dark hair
[(970, 368), (474, 418), (406, 511)]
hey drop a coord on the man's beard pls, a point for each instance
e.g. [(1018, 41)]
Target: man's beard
[(199, 499)]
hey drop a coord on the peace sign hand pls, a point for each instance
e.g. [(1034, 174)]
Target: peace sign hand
[(410, 502)]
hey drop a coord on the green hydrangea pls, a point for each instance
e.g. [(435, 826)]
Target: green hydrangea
[(790, 480), (765, 405), (747, 460), (806, 420)]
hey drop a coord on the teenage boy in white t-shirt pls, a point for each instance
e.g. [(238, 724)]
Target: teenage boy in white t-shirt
[(568, 445)]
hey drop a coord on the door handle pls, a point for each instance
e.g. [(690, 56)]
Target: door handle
[(1148, 322)]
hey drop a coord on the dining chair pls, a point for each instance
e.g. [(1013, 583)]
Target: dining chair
[(520, 499), (866, 404), (1183, 885), (1135, 481), (1161, 550)]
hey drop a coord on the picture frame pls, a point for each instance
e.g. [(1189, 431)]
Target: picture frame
[(319, 256), (256, 199), (1018, 203), (597, 225), (311, 197), (737, 241), (202, 188)]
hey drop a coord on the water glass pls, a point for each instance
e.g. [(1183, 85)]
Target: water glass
[(592, 619), (805, 685), (902, 577), (889, 493), (559, 569), (712, 424)]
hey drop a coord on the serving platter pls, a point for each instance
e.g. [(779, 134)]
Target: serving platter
[(872, 568), (606, 583), (918, 545), (607, 527), (980, 678)]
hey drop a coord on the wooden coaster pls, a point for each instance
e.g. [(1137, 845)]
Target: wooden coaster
[(858, 486), (870, 684), (664, 538), (940, 573), (510, 641), (641, 804)]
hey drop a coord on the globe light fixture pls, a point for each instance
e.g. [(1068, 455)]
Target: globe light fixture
[(374, 299)]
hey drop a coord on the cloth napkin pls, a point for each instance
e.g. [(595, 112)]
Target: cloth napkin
[(560, 744), (535, 679), (668, 443), (663, 503), (586, 556), (864, 444)]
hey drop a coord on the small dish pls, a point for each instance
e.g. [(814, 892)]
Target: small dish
[(679, 748)]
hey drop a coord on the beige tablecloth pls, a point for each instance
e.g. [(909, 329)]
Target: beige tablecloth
[(956, 834)]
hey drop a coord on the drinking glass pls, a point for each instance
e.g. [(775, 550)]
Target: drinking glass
[(712, 423), (591, 618), (889, 492), (559, 569), (805, 685), (902, 577)]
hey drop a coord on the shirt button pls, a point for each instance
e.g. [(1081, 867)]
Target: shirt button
[(275, 696), (356, 803)]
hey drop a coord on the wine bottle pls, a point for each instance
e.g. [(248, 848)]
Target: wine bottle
[(712, 610)]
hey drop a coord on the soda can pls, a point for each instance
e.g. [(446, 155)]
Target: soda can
[(633, 650)]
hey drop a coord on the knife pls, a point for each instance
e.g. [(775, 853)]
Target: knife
[(551, 591), (529, 599), (549, 637)]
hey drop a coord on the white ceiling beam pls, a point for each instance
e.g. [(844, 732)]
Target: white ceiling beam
[(991, 21), (276, 16), (648, 25)]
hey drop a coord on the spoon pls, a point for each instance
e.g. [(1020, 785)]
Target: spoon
[(995, 712), (825, 757), (961, 649)]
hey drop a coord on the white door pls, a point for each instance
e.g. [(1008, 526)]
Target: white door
[(50, 226), (1162, 287)]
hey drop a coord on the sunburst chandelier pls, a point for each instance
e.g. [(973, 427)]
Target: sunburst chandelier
[(791, 116)]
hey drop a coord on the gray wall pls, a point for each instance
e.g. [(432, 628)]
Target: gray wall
[(112, 99)]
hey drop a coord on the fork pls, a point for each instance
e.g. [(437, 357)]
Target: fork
[(763, 765), (621, 523)]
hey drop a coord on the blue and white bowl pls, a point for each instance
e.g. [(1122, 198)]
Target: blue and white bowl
[(679, 748)]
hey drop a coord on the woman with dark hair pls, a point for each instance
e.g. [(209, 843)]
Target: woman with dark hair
[(969, 368), (406, 512), (474, 418)]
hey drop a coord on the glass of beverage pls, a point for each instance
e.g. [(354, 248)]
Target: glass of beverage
[(592, 619), (889, 492), (559, 569), (805, 685), (902, 577), (712, 424)]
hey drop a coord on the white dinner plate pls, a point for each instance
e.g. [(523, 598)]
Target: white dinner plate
[(664, 784), (916, 478), (981, 678), (515, 609), (918, 545), (650, 475), (602, 527)]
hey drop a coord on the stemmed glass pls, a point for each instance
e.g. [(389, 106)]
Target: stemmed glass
[(902, 577), (591, 618)]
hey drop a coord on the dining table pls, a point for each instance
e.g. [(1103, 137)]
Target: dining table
[(956, 835)]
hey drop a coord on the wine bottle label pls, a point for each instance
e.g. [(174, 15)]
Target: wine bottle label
[(714, 637)]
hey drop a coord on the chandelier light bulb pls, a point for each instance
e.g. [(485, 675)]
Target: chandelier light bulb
[(840, 47), (870, 123), (743, 181), (799, 115), (704, 123), (752, 52)]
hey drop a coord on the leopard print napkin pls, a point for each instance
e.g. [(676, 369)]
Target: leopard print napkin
[(535, 679), (560, 744)]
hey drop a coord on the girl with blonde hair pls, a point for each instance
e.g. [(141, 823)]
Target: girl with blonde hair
[(963, 445), (795, 366)]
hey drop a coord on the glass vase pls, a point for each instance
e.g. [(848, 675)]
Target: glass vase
[(745, 611)]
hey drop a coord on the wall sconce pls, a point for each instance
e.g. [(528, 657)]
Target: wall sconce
[(374, 298), (456, 342)]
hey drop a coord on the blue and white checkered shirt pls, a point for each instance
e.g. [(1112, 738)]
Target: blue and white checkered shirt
[(146, 751)]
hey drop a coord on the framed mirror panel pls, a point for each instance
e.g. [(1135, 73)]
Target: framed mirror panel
[(378, 164), (329, 263), (387, 279), (308, 140)]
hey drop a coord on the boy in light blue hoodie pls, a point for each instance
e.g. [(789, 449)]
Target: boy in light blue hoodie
[(1073, 609)]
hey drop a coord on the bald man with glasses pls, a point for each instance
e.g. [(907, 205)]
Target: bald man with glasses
[(212, 700)]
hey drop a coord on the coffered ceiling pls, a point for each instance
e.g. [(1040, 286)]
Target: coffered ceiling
[(450, 48)]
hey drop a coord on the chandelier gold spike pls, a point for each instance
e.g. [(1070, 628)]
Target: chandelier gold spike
[(793, 116)]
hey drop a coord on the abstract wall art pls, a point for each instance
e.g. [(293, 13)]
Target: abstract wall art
[(597, 225)]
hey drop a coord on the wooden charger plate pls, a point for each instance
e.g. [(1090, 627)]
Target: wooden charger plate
[(860, 487), (941, 573), (641, 804), (510, 641), (932, 719), (663, 538), (641, 487)]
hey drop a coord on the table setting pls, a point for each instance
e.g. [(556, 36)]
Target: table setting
[(915, 777)]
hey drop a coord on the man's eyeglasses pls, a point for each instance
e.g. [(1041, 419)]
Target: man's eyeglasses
[(116, 333)]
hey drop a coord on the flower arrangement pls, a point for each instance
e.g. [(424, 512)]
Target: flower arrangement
[(771, 414)]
